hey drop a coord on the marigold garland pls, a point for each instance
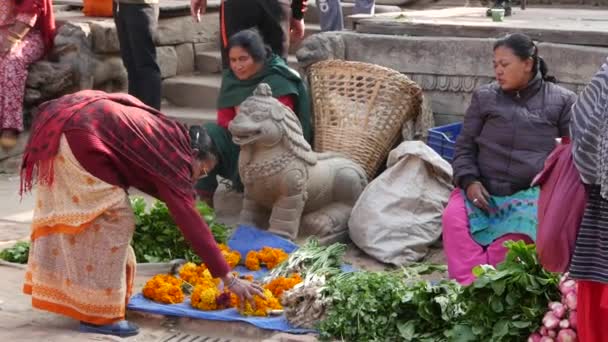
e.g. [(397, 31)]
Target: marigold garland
[(197, 275), (251, 261), (262, 306), (232, 257), (281, 284), (164, 288), (204, 297), (268, 256)]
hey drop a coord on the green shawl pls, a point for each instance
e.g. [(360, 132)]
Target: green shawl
[(228, 160), (282, 80)]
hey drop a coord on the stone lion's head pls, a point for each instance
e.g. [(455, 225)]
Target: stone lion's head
[(265, 122)]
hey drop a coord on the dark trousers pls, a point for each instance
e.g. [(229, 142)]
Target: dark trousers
[(136, 27), (238, 15)]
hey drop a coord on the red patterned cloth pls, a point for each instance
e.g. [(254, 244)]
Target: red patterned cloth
[(141, 134), (46, 19)]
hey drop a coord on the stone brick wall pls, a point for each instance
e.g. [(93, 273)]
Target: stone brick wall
[(87, 55)]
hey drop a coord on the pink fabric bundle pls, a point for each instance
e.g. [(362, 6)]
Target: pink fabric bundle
[(562, 202)]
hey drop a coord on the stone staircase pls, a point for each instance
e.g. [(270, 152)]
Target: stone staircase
[(191, 98)]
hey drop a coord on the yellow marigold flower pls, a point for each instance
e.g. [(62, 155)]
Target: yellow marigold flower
[(251, 261), (262, 306), (195, 275), (204, 297), (281, 284), (164, 288)]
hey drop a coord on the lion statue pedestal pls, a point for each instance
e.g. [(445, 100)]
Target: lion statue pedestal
[(297, 191)]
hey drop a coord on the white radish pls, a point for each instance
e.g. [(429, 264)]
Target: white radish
[(558, 309), (564, 324), (567, 335), (550, 321)]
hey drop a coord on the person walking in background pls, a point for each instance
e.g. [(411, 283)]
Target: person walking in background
[(280, 22), (27, 30), (365, 7), (330, 15), (136, 22)]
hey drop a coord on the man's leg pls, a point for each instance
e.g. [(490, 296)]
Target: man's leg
[(330, 15), (120, 20), (364, 7), (140, 23)]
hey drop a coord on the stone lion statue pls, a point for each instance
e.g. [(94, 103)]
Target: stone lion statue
[(288, 186)]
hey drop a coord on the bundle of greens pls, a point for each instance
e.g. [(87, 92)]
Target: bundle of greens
[(17, 253), (158, 239), (387, 306), (312, 259), (506, 303)]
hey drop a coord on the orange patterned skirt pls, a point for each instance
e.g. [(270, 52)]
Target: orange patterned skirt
[(80, 263)]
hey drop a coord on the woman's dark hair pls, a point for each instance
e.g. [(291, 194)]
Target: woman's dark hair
[(524, 48), (201, 143), (252, 42)]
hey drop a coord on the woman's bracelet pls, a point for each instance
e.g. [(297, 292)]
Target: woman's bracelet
[(229, 285)]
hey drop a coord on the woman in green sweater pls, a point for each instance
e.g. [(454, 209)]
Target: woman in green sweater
[(251, 63)]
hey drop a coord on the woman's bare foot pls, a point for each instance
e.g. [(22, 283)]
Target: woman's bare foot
[(8, 139)]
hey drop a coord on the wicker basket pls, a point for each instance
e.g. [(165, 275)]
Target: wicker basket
[(360, 108)]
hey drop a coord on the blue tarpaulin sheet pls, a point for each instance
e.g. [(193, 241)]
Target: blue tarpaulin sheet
[(243, 240)]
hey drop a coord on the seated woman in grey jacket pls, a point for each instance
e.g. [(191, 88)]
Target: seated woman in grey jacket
[(509, 130)]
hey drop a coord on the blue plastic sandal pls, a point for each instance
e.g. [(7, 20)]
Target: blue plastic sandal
[(123, 328)]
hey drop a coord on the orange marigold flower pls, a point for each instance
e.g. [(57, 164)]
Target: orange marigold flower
[(271, 257), (251, 261), (281, 284), (232, 257), (164, 288)]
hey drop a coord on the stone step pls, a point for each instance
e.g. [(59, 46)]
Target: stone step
[(189, 115), (311, 16), (210, 62), (195, 90)]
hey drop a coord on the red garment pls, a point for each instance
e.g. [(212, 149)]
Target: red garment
[(592, 311), (138, 133), (106, 164), (225, 115), (46, 18)]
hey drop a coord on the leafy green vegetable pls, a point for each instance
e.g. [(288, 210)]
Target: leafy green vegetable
[(390, 306), (18, 253), (506, 303), (157, 238)]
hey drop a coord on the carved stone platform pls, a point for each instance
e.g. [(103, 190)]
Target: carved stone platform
[(448, 52), (552, 25)]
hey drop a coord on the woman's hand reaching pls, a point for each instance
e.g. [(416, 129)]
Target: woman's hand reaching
[(479, 196), (243, 289)]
